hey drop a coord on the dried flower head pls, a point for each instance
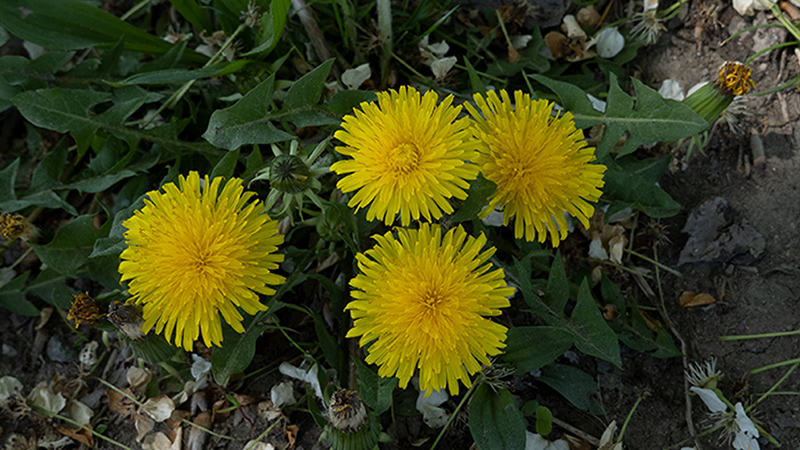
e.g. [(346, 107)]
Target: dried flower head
[(703, 375), (734, 78), (14, 226), (84, 310), (351, 425), (346, 411)]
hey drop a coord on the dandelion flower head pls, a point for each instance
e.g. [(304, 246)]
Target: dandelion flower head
[(538, 161), (734, 78), (423, 300), (408, 156), (197, 252)]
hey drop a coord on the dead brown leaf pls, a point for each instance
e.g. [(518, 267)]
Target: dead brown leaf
[(513, 54), (177, 418), (576, 443), (610, 312), (689, 299), (653, 324), (82, 435), (216, 410), (244, 400), (118, 402), (291, 433)]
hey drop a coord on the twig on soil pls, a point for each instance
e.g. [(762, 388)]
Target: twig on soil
[(581, 434), (684, 350)]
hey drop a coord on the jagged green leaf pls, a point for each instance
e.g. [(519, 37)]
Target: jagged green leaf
[(247, 121), (76, 25), (376, 391), (596, 336), (574, 384), (62, 110), (646, 119), (531, 348), (631, 189), (495, 421), (300, 106), (12, 296), (193, 11), (271, 29), (589, 331), (69, 250), (480, 189)]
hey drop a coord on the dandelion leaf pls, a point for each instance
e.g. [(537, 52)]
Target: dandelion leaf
[(586, 327), (646, 119), (246, 121), (495, 421)]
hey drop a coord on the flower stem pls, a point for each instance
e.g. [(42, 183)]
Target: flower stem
[(628, 419), (453, 416), (83, 427), (756, 336), (134, 10), (385, 29), (178, 95), (774, 386)]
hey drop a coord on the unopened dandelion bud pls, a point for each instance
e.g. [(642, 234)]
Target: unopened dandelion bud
[(14, 226), (288, 173), (351, 426), (332, 224)]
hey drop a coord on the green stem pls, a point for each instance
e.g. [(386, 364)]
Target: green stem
[(774, 386), (176, 97), (385, 35), (453, 416), (628, 419), (134, 10), (81, 426), (654, 262), (756, 336), (19, 260), (775, 366)]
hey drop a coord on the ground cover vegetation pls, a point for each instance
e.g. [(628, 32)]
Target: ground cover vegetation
[(387, 224)]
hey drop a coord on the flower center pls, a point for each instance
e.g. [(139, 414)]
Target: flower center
[(404, 158)]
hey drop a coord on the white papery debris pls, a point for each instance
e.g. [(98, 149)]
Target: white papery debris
[(44, 397), (282, 394), (609, 42), (354, 77), (309, 376), (671, 89)]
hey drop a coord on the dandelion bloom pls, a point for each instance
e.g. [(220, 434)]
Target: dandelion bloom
[(539, 162), (734, 79), (197, 252), (409, 155), (422, 300)]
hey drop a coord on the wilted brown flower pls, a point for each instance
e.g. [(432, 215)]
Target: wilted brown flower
[(84, 310)]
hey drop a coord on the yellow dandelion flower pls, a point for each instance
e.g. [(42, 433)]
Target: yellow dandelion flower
[(409, 155), (538, 161), (422, 301), (734, 78), (195, 253)]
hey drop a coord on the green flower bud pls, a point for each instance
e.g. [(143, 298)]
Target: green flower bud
[(288, 173)]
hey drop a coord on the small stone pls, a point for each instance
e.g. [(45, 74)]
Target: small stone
[(9, 350), (57, 351)]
